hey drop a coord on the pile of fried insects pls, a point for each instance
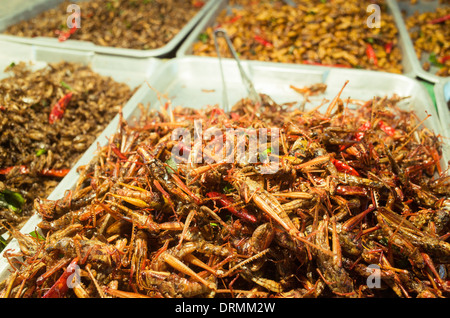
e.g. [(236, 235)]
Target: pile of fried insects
[(330, 33), (140, 25), (49, 116), (357, 207)]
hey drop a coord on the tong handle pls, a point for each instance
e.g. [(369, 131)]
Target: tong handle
[(253, 95)]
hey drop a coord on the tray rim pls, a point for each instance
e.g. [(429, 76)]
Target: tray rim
[(442, 108)]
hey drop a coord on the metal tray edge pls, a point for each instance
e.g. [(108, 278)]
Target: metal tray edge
[(443, 110)]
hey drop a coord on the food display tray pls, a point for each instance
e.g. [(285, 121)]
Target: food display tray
[(401, 10), (210, 18), (442, 93), (29, 9), (133, 72), (196, 82)]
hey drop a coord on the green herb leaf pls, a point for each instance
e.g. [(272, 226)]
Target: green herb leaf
[(2, 243), (11, 200), (263, 156), (109, 6), (65, 85), (433, 59), (38, 236), (12, 64), (171, 165), (40, 152), (228, 188), (204, 37)]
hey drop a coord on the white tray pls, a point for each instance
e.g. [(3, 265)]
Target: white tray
[(442, 93)]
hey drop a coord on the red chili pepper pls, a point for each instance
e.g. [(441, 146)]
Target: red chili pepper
[(234, 19), (444, 59), (231, 21), (23, 170), (343, 167), (65, 35), (228, 204), (388, 47), (59, 108), (59, 289), (439, 20), (364, 127), (262, 41), (198, 4), (44, 172), (2, 108), (54, 172), (370, 52), (387, 129)]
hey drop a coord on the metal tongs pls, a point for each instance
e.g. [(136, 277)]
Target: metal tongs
[(252, 94), (290, 3)]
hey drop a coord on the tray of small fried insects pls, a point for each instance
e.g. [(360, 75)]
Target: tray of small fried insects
[(330, 183), (425, 25), (442, 93), (140, 28), (51, 111), (340, 33)]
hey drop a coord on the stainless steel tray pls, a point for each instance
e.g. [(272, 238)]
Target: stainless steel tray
[(196, 82), (210, 18), (397, 8), (29, 9), (442, 93)]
